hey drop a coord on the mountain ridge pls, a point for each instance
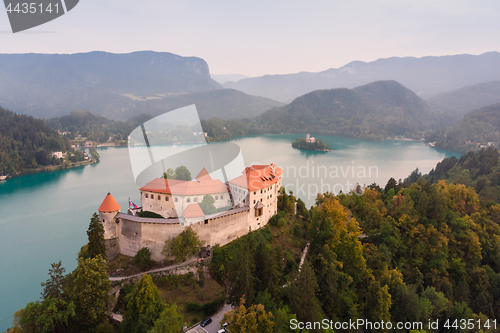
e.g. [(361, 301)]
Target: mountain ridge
[(458, 102), (47, 85), (423, 75)]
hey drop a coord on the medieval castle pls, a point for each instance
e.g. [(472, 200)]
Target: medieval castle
[(244, 203)]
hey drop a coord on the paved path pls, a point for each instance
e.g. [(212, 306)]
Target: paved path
[(214, 326), (162, 269), (303, 257)]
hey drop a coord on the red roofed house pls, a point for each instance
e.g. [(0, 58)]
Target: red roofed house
[(170, 198), (258, 188)]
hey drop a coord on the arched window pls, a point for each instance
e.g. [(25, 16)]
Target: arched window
[(146, 195)]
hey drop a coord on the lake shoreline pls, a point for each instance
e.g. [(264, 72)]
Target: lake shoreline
[(52, 168)]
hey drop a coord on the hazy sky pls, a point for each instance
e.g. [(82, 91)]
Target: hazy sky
[(268, 37)]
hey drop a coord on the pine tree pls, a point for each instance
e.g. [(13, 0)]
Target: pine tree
[(242, 272), (303, 300), (95, 233)]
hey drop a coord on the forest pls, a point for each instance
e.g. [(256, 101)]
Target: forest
[(476, 128), (27, 143)]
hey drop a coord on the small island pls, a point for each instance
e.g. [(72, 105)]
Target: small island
[(310, 143)]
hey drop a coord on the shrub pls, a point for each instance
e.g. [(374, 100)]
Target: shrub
[(143, 258), (147, 213), (193, 306)]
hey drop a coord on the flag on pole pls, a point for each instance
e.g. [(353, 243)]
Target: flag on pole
[(131, 204)]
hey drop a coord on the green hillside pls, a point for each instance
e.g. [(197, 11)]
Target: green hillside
[(223, 103), (375, 111), (475, 130), (26, 143), (458, 102), (91, 126)]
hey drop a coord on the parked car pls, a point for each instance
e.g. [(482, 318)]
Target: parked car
[(206, 321), (222, 330), (226, 324)]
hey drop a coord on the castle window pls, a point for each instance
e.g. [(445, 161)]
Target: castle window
[(216, 197), (159, 197), (260, 191), (260, 199), (147, 196), (254, 201), (196, 199), (258, 211), (166, 198), (188, 200), (254, 193), (176, 200)]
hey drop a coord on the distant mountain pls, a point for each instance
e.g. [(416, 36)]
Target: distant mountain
[(48, 85), (475, 130), (459, 102), (222, 78), (426, 76)]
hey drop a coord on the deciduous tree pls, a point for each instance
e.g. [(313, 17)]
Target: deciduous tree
[(170, 321), (186, 244), (144, 307), (255, 319), (88, 289), (207, 205)]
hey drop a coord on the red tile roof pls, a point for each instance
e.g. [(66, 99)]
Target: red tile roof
[(257, 177), (109, 204), (193, 210), (182, 187), (203, 175)]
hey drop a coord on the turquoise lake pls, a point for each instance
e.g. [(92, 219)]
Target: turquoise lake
[(45, 216)]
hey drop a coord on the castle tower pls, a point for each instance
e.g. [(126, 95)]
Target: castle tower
[(107, 213)]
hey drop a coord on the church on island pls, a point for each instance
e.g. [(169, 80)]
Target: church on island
[(243, 204)]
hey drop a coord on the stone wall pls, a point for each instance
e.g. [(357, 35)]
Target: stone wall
[(135, 233)]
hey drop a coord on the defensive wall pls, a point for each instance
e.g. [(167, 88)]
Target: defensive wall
[(133, 232)]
